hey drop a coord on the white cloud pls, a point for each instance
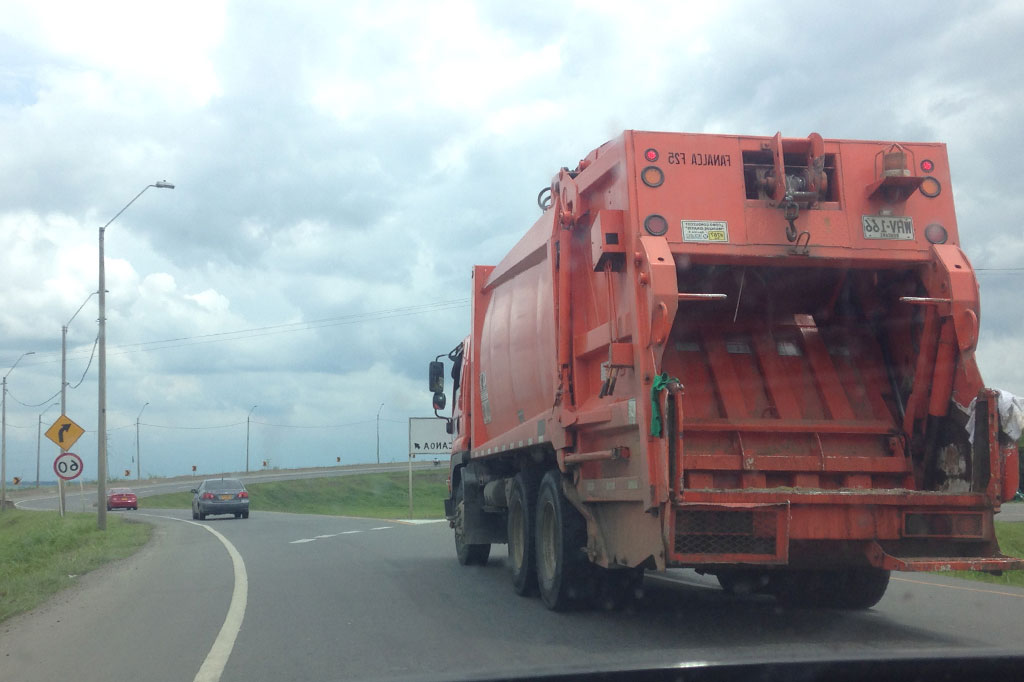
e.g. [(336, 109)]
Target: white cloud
[(334, 161)]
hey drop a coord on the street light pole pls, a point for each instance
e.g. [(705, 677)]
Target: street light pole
[(64, 388), (138, 455), (39, 437), (3, 434), (378, 431), (247, 437), (101, 426)]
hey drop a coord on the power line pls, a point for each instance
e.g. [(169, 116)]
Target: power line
[(200, 340), (254, 421), (184, 428), (32, 404), (91, 355), (326, 426), (268, 330)]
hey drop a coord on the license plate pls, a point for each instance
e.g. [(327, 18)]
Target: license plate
[(226, 497), (888, 227)]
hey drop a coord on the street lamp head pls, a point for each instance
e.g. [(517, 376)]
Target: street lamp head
[(31, 352), (163, 184)]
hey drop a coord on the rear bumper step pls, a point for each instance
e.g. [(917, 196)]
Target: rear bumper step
[(882, 559)]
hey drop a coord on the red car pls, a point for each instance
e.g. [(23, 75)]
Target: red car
[(121, 498)]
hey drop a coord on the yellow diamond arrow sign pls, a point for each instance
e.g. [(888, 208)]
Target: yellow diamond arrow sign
[(64, 432)]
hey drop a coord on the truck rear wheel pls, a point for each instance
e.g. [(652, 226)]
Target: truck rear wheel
[(522, 510), (467, 554), (861, 588), (561, 536), (846, 588)]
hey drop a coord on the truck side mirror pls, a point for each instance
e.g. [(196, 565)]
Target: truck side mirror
[(439, 401), (436, 377)]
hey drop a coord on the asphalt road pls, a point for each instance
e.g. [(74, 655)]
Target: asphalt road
[(333, 598)]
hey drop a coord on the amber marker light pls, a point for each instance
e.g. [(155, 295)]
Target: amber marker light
[(930, 187), (656, 225), (936, 234), (652, 176)]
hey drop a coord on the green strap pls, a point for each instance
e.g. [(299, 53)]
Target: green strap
[(661, 382)]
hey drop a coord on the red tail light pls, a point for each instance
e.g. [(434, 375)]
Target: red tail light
[(243, 494), (207, 496)]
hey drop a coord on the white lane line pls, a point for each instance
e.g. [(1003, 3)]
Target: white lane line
[(321, 537), (217, 658), (419, 522), (299, 542), (349, 532), (382, 527)]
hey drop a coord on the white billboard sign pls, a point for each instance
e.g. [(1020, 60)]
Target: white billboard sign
[(427, 436)]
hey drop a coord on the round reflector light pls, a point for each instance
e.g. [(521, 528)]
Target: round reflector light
[(936, 234), (927, 165), (656, 225), (652, 176), (651, 155), (930, 187)]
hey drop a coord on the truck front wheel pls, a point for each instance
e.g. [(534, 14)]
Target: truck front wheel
[(467, 554), (522, 508), (561, 538)]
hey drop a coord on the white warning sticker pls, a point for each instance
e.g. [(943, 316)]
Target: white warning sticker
[(716, 231)]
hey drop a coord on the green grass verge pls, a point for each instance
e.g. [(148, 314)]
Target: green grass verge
[(1011, 542), (379, 496), (40, 553)]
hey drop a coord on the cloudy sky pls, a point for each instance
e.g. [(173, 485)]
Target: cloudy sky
[(340, 166)]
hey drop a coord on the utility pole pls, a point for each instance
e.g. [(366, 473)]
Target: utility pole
[(138, 455), (247, 437), (378, 431)]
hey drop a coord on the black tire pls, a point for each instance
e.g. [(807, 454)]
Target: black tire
[(562, 566), (202, 516), (803, 588), (522, 544), (195, 515), (466, 553), (861, 588), (245, 515), (108, 507), (848, 588)]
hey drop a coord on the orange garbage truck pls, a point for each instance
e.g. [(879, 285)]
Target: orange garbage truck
[(749, 356)]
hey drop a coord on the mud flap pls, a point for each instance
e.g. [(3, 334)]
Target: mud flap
[(481, 527)]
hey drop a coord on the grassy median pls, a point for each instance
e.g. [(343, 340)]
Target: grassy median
[(380, 496), (41, 553), (1011, 543)]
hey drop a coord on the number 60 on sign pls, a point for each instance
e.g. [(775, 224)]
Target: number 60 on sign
[(68, 466)]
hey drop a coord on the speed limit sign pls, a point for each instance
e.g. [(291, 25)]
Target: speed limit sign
[(68, 466)]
